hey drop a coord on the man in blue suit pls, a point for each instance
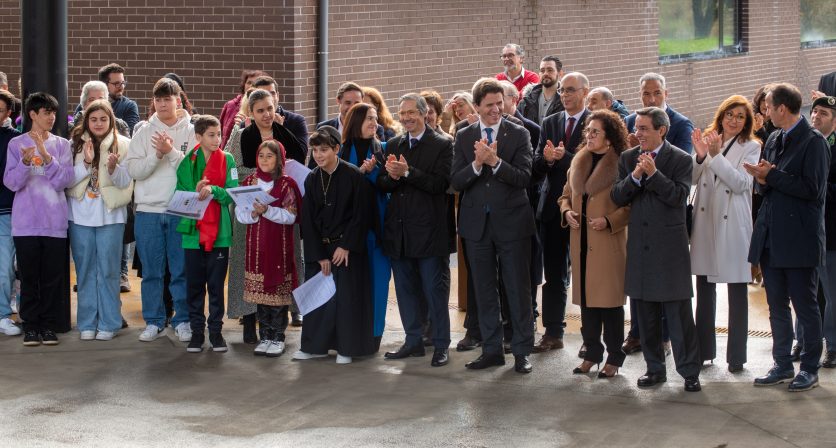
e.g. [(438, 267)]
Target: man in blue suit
[(654, 93), (789, 236)]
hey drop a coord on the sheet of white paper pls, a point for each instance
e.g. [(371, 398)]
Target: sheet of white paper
[(314, 293), (298, 172), (245, 197), (186, 205)]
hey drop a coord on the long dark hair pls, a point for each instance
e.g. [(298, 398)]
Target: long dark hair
[(278, 150), (353, 128), (79, 131)]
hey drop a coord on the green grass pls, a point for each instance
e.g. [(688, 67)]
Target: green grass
[(669, 47)]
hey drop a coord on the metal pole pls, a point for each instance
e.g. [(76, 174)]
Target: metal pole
[(44, 54), (322, 54)]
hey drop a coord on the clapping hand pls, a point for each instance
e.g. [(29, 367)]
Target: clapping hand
[(88, 152), (705, 144), (162, 143), (552, 154), (27, 154), (645, 165), (485, 154), (367, 166), (759, 171), (396, 168), (39, 145), (112, 160)]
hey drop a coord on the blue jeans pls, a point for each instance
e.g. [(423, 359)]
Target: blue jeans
[(7, 265), (415, 280), (157, 239), (96, 255)]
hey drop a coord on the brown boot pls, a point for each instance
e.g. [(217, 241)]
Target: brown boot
[(632, 345), (548, 343)]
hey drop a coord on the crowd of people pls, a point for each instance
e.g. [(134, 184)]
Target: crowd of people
[(532, 178)]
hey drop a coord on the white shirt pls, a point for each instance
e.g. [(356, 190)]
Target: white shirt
[(277, 215), (577, 118), (494, 134), (417, 137), (91, 212)]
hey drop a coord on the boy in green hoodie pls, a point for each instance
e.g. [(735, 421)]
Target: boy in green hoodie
[(209, 171)]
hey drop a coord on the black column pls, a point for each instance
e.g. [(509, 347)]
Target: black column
[(44, 69)]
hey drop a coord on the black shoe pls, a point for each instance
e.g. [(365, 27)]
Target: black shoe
[(651, 379), (484, 361), (427, 341), (804, 381), (795, 354), (829, 360), (31, 338), (522, 364), (250, 336), (440, 357), (48, 337), (216, 340), (774, 376), (295, 320), (692, 384), (468, 343), (196, 344), (582, 351), (124, 323), (735, 368), (405, 352), (506, 348)]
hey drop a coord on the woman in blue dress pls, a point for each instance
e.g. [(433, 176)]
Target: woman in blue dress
[(361, 148)]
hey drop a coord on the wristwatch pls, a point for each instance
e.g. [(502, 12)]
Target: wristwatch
[(406, 174)]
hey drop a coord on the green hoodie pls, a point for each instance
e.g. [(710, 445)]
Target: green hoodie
[(187, 181)]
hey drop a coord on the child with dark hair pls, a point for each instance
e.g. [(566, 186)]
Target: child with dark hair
[(38, 169), (270, 271), (209, 171)]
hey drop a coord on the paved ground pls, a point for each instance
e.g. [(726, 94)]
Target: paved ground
[(128, 393)]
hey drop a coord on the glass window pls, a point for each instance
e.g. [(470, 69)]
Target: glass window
[(695, 27), (818, 22)]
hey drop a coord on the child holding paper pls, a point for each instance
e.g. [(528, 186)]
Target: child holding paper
[(208, 171), (270, 271)]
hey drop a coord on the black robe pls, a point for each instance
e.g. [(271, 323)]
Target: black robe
[(346, 322)]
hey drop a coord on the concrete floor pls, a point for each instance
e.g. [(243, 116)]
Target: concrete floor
[(128, 393)]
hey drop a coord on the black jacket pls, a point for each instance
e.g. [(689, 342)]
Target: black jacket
[(830, 201), (529, 105), (827, 84), (531, 126), (415, 224), (6, 196), (791, 218), (554, 128)]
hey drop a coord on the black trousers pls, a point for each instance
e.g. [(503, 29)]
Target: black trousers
[(272, 322), (555, 240), (516, 276), (206, 271), (41, 262), (612, 322), (738, 320), (682, 331)]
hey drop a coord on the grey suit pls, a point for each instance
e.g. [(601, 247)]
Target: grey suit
[(658, 273), (496, 220)]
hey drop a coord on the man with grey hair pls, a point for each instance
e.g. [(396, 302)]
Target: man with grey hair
[(512, 57), (92, 91), (601, 98), (415, 232), (654, 93), (654, 180)]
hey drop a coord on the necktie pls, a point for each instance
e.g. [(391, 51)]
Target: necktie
[(413, 142), (489, 133), (569, 129)]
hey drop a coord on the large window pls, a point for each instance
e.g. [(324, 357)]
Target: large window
[(818, 22), (698, 28)]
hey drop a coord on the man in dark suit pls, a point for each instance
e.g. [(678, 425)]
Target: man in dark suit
[(827, 84), (415, 228), (491, 170), (348, 95), (561, 135), (654, 180), (654, 93), (789, 237)]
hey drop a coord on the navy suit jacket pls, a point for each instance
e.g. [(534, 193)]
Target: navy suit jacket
[(678, 135), (554, 128), (532, 127)]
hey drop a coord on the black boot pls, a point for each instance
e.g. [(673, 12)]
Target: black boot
[(249, 329)]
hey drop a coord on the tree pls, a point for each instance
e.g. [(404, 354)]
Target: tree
[(705, 13)]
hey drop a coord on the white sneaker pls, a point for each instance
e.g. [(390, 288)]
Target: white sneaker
[(150, 333), (275, 349), (88, 335), (105, 335), (183, 332), (302, 355), (261, 348), (8, 327), (343, 359)]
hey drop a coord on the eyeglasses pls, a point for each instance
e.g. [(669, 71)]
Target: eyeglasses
[(119, 83), (593, 132), (408, 113), (569, 90), (731, 116), (507, 56)]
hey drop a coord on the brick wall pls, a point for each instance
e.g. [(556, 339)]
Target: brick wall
[(399, 46)]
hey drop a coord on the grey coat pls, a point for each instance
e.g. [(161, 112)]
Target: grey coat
[(658, 262)]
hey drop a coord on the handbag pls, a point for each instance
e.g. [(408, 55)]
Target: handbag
[(689, 208)]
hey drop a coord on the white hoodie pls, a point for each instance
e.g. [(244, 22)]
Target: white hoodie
[(156, 179)]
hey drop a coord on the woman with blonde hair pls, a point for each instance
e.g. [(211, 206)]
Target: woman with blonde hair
[(460, 107), (391, 127), (722, 223)]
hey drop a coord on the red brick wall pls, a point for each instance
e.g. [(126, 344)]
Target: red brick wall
[(400, 46)]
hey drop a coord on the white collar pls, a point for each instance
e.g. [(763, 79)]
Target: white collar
[(418, 137), (522, 73), (495, 127), (577, 116)]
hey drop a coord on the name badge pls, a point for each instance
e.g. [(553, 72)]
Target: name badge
[(234, 173)]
